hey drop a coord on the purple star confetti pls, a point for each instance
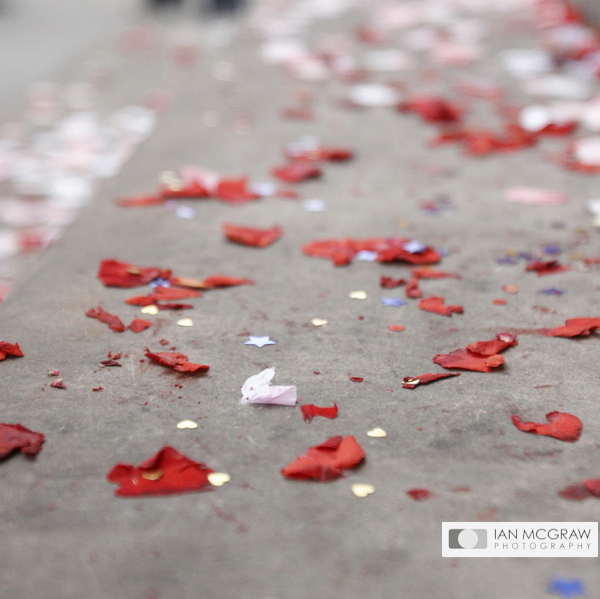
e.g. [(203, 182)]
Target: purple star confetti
[(567, 588), (553, 291)]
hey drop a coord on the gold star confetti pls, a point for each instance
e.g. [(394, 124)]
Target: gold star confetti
[(186, 424), (152, 474), (360, 295), (377, 433), (150, 310), (319, 322), (218, 479), (185, 322), (362, 490)]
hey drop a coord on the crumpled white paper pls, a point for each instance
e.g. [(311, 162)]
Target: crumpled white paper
[(258, 389)]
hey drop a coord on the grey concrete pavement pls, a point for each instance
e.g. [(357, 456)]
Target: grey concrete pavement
[(64, 535)]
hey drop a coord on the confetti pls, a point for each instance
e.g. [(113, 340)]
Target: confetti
[(562, 426), (259, 341), (480, 357), (319, 322), (567, 588), (419, 494), (166, 473), (326, 461), (249, 236), (574, 327), (436, 305), (58, 384), (113, 273), (396, 328), (16, 436), (9, 349), (176, 361), (138, 325), (309, 411), (392, 302), (359, 295), (377, 433), (185, 322), (187, 424), (412, 382), (218, 479), (362, 489), (114, 322), (150, 310)]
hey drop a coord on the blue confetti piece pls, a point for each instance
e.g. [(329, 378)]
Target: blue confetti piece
[(567, 588), (553, 291), (414, 247), (552, 249), (160, 282), (366, 256), (394, 302)]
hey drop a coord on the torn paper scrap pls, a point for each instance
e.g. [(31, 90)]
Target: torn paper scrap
[(258, 389)]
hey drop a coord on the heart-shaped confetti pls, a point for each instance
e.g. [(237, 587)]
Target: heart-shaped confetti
[(185, 322), (362, 490), (218, 479), (186, 424), (319, 322), (377, 432), (153, 310), (359, 295)]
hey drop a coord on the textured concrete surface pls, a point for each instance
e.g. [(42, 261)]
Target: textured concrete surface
[(62, 532)]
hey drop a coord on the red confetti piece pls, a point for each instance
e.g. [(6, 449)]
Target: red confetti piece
[(546, 268), (297, 113), (576, 492), (109, 363), (396, 328), (562, 426), (194, 190), (97, 388), (483, 143), (499, 302), (161, 294), (113, 273), (176, 361), (480, 357), (431, 273), (419, 494), (341, 251), (413, 290), (58, 384), (139, 201), (309, 411), (173, 306), (326, 461), (389, 283), (436, 305), (139, 324), (297, 171), (235, 191), (166, 473), (225, 281), (114, 322), (433, 109), (410, 382), (357, 379), (250, 236), (9, 349), (593, 486), (574, 327), (320, 153), (15, 436)]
